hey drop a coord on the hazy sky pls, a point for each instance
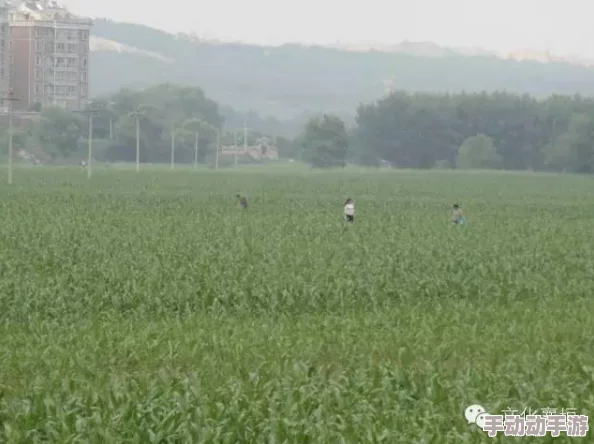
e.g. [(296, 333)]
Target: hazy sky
[(562, 26)]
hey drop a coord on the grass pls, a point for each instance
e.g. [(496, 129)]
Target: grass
[(149, 308)]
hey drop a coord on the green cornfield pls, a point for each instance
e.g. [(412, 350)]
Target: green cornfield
[(149, 308)]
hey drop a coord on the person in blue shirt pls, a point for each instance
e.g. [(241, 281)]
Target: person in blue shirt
[(457, 215)]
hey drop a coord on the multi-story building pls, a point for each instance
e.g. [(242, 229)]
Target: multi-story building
[(49, 56), (4, 52)]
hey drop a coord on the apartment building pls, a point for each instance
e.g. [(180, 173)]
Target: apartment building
[(4, 53), (49, 56)]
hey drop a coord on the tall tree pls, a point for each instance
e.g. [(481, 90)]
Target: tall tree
[(326, 141), (478, 152), (161, 107), (425, 130), (207, 138), (58, 131)]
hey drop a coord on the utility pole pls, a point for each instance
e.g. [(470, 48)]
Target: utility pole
[(90, 159), (236, 147), (10, 98), (218, 147), (110, 104), (245, 138), (137, 115), (137, 143), (173, 145), (196, 150)]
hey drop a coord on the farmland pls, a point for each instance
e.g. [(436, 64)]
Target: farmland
[(147, 307)]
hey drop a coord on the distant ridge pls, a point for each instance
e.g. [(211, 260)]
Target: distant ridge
[(431, 49), (295, 80)]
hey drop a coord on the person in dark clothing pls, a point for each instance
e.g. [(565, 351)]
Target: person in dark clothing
[(241, 200)]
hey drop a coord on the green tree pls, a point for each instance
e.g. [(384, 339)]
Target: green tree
[(326, 142), (557, 155), (418, 130), (161, 107), (573, 150), (20, 140), (58, 131), (123, 147), (581, 126), (478, 152), (207, 138)]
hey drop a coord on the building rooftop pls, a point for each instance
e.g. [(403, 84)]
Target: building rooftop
[(43, 10)]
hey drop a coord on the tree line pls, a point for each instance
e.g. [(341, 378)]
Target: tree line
[(156, 115), (422, 130), (498, 130)]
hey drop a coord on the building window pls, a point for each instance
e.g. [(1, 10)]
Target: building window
[(38, 88), (38, 60), (83, 77), (39, 45), (38, 32), (38, 74), (84, 62)]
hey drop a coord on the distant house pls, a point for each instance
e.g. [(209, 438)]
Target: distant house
[(261, 150)]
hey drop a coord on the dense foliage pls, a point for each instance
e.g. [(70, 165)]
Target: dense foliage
[(149, 308), (470, 131), (424, 130), (58, 136), (325, 142)]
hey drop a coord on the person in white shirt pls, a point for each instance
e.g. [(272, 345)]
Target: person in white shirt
[(349, 210)]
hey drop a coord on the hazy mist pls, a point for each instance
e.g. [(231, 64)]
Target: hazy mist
[(562, 27)]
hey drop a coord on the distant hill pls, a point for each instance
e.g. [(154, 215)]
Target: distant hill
[(293, 80), (431, 49)]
